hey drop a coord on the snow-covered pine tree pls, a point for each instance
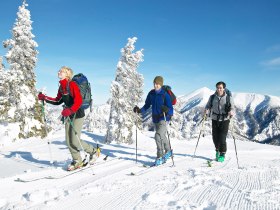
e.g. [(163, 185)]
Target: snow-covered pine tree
[(23, 106), (2, 67), (126, 92), (3, 92)]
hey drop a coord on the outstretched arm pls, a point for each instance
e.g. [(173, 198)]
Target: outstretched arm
[(50, 100), (148, 103)]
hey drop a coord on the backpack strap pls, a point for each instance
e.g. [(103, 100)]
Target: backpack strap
[(211, 100), (228, 105), (67, 88), (163, 97)]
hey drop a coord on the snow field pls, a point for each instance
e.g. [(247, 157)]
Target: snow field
[(191, 184)]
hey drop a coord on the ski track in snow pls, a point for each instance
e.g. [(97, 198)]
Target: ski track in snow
[(231, 188), (191, 184)]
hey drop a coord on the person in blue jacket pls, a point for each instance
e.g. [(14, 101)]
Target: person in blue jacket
[(162, 112)]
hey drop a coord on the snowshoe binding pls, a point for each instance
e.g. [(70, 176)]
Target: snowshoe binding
[(75, 165), (94, 155)]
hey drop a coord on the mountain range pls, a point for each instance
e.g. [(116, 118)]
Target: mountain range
[(256, 117)]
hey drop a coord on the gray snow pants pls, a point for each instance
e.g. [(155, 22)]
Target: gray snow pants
[(162, 142), (74, 141)]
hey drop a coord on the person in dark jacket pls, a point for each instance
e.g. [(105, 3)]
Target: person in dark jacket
[(162, 110), (69, 94), (220, 106)]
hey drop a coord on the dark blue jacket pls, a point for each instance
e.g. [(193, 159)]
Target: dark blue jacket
[(157, 100)]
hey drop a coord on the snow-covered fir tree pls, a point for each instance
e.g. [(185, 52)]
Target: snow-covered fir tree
[(2, 67), (126, 92), (3, 92), (23, 106)]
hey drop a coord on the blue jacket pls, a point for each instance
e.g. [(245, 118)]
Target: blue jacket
[(157, 100)]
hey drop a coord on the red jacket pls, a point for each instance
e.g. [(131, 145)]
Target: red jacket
[(74, 93)]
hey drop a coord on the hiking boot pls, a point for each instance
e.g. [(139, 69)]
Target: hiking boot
[(75, 165), (217, 155), (94, 155), (159, 161), (167, 155), (221, 158)]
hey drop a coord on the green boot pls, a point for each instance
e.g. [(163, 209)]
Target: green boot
[(221, 158), (217, 155)]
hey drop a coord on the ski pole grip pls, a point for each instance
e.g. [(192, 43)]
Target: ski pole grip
[(42, 100)]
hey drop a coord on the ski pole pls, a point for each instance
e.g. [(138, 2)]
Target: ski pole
[(172, 156), (46, 131), (201, 130), (233, 136), (136, 135), (136, 143)]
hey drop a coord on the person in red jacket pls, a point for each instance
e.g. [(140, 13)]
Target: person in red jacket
[(69, 94)]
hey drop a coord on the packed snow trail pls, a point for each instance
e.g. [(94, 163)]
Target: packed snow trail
[(191, 184), (17, 163)]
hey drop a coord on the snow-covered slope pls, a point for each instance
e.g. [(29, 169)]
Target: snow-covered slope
[(191, 184), (197, 98)]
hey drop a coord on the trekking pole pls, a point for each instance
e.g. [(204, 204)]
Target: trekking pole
[(76, 133), (233, 136), (46, 131), (172, 156), (136, 133), (136, 142), (201, 130)]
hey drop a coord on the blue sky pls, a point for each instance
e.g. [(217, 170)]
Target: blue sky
[(191, 43)]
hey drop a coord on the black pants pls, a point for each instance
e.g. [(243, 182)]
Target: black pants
[(219, 134)]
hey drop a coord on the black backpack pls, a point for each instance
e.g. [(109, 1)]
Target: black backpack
[(228, 105)]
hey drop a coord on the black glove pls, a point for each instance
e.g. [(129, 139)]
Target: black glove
[(164, 109), (136, 109)]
